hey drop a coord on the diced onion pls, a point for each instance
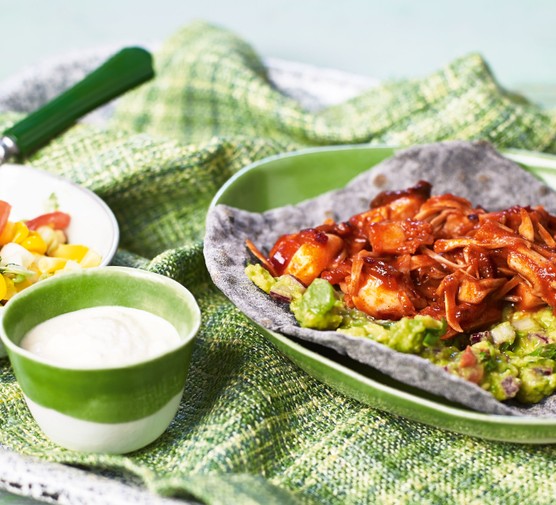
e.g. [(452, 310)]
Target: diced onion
[(14, 254)]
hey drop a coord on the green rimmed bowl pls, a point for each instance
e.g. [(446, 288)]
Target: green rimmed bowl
[(114, 410), (293, 177)]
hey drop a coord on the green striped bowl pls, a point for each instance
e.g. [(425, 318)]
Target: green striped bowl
[(290, 178), (114, 410)]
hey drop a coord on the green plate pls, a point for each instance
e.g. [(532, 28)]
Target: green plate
[(293, 177)]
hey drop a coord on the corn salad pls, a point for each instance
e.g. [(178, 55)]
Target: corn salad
[(35, 249)]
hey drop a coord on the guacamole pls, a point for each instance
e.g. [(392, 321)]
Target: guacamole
[(514, 359)]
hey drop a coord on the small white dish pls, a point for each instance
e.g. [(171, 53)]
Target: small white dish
[(28, 191)]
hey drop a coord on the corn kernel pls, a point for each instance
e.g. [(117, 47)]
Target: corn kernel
[(48, 235), (73, 252), (48, 265), (69, 267), (36, 275), (91, 259), (7, 233), (3, 287), (34, 243), (20, 286), (10, 288), (61, 236), (21, 232)]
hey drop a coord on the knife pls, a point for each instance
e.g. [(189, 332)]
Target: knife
[(126, 69)]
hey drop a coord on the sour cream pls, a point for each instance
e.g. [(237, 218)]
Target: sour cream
[(101, 337)]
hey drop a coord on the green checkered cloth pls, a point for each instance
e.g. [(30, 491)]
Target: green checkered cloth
[(253, 428)]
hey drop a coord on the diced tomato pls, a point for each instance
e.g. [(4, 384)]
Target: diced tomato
[(57, 220), (470, 368), (468, 359), (5, 209)]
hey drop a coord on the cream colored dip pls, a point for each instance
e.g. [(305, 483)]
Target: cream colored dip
[(101, 337)]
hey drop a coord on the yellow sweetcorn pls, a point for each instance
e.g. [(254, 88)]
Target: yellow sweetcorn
[(49, 236), (73, 252), (20, 286), (7, 233), (3, 287), (91, 259), (33, 255), (10, 288), (21, 232), (70, 267), (48, 265), (61, 236), (34, 243)]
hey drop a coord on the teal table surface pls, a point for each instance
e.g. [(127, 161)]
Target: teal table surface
[(386, 40)]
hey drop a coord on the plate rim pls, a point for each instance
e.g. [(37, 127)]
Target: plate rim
[(517, 155)]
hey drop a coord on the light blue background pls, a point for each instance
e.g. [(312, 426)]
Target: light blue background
[(385, 39)]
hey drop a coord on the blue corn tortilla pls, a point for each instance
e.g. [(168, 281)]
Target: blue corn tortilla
[(473, 170)]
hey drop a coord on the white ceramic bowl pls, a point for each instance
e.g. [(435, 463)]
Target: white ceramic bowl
[(92, 222)]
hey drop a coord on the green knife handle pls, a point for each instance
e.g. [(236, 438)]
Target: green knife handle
[(126, 69)]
